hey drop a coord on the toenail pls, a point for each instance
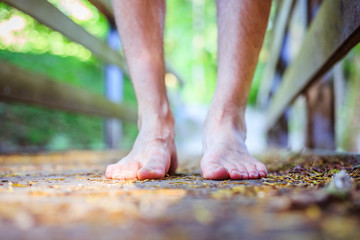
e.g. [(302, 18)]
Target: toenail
[(148, 170), (244, 175), (252, 175)]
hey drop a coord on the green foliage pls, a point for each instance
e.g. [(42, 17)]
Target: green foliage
[(256, 83), (95, 23), (30, 36), (71, 70), (130, 130), (34, 128), (27, 128), (37, 48), (348, 130), (190, 47), (30, 127)]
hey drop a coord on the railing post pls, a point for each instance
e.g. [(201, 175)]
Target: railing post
[(114, 92), (278, 135), (320, 133)]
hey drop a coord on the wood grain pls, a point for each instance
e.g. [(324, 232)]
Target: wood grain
[(332, 34)]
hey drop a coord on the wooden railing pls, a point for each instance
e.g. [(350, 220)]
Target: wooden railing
[(332, 29), (18, 85), (23, 86)]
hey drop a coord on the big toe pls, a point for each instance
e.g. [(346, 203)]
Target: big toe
[(152, 170), (214, 171), (125, 171), (148, 173), (109, 170)]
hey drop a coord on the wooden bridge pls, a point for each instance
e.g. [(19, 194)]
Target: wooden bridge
[(65, 195), (329, 33)]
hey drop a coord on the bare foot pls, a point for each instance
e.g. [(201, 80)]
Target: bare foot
[(153, 154), (225, 153)]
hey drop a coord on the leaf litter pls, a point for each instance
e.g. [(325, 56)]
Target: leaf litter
[(312, 195)]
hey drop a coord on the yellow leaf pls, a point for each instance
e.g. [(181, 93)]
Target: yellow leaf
[(18, 185)]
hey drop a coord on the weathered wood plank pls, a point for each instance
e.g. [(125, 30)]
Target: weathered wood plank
[(339, 94), (320, 131), (278, 136), (47, 14), (20, 85), (278, 34), (332, 34)]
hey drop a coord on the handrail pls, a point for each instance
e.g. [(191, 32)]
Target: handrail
[(20, 85), (278, 34), (47, 14), (332, 34)]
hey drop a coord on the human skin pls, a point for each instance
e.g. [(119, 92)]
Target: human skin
[(241, 30)]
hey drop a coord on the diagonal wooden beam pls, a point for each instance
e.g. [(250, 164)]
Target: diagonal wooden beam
[(47, 14), (278, 34), (18, 85), (332, 34)]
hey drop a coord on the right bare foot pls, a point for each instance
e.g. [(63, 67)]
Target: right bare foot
[(153, 154)]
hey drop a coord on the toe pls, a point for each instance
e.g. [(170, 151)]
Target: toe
[(126, 171), (215, 171), (147, 173), (153, 169), (236, 171), (235, 174), (241, 170), (109, 171), (261, 169), (252, 171)]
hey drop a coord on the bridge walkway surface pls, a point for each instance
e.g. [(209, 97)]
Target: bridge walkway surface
[(66, 196)]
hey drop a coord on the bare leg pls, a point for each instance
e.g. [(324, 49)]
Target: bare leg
[(242, 25), (141, 27)]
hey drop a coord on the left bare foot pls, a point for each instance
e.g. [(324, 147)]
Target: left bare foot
[(225, 153)]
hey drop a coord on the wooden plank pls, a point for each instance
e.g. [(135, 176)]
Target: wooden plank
[(278, 35), (350, 118), (20, 85), (278, 136), (320, 131), (47, 14), (281, 155), (333, 33), (339, 94)]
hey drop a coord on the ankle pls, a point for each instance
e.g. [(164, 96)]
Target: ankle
[(222, 129), (158, 122), (226, 118)]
